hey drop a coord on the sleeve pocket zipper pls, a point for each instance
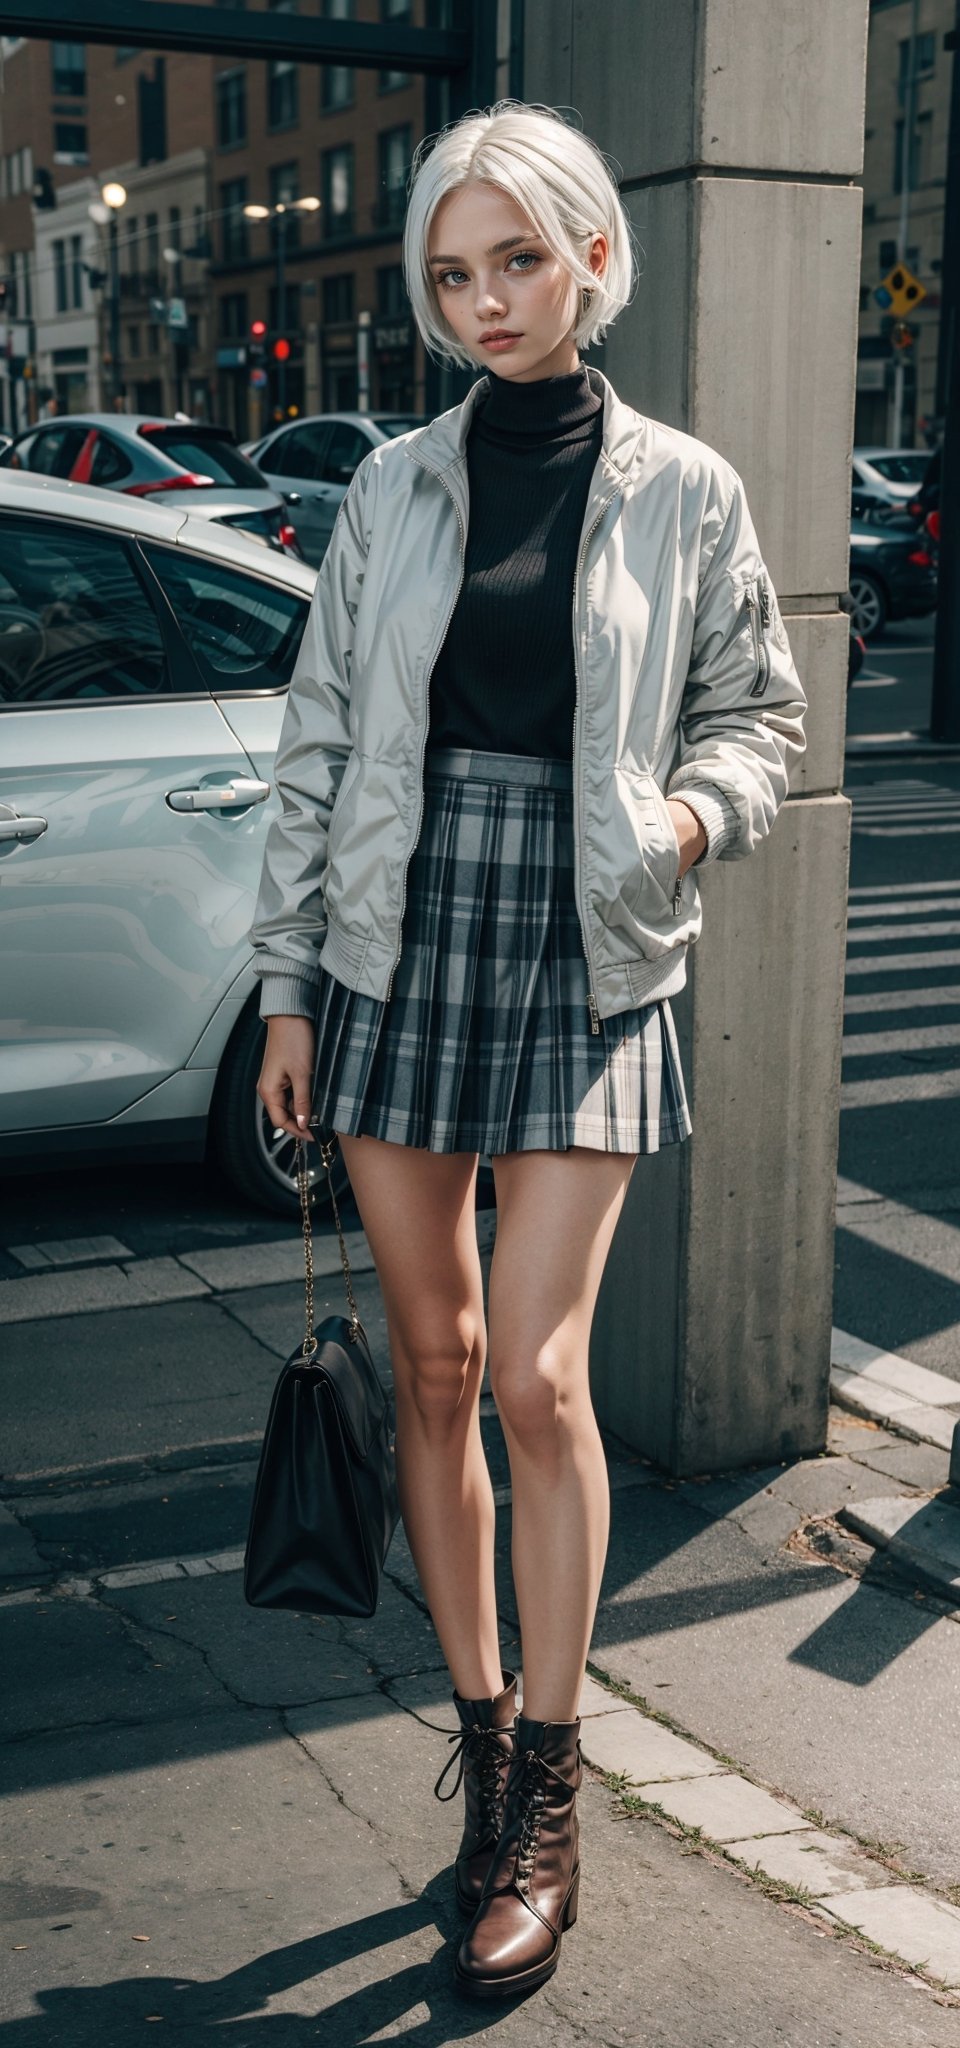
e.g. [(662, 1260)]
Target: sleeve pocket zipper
[(760, 608)]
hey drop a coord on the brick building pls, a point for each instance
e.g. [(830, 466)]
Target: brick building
[(344, 136), (193, 140)]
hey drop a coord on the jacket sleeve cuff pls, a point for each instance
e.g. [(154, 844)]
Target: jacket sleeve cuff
[(288, 995), (716, 814)]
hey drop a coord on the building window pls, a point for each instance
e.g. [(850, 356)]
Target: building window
[(284, 185), (233, 316), (282, 95), (153, 252), (283, 83), (338, 300), (69, 67), (234, 239), (395, 11), (21, 270), (16, 173), (76, 270), (391, 296), (60, 276), (394, 149), (337, 190), (133, 341), (925, 64), (133, 254), (231, 92), (888, 256), (336, 80), (70, 142)]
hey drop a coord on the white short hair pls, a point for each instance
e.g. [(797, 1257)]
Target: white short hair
[(561, 180)]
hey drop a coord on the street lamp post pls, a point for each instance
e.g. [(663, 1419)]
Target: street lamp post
[(114, 196), (279, 214)]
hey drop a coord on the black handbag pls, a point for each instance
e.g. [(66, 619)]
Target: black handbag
[(325, 1502)]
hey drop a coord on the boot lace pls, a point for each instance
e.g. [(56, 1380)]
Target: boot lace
[(529, 1785), (483, 1749)]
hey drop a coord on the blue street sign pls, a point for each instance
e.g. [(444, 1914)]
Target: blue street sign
[(258, 380), (883, 297)]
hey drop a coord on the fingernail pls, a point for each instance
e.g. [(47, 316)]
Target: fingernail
[(279, 1132), (301, 1121)]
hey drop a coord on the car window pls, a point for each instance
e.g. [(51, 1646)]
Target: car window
[(76, 623), (300, 453), (906, 468), (244, 631), (205, 454), (110, 463), (348, 446), (54, 451)]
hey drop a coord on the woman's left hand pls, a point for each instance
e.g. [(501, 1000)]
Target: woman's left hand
[(691, 834)]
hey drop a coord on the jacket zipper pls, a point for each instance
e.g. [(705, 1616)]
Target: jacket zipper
[(761, 612), (426, 723), (591, 997)]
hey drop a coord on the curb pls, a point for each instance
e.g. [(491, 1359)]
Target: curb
[(917, 1404), (678, 1780)]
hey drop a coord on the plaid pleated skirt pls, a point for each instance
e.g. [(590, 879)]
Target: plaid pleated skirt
[(485, 1043)]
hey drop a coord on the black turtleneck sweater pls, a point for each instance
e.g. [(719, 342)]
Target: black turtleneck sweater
[(504, 677)]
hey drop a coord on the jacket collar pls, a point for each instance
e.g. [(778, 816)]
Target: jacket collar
[(441, 444)]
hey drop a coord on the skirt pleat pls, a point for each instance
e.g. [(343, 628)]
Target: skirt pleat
[(485, 1042)]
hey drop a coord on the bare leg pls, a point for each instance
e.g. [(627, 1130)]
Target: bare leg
[(418, 1212), (556, 1215)]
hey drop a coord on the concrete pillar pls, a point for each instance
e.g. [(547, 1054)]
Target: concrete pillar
[(736, 133)]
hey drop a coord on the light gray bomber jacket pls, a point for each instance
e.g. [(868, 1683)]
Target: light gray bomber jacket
[(685, 687)]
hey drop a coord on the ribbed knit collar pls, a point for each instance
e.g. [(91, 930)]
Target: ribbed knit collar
[(540, 409)]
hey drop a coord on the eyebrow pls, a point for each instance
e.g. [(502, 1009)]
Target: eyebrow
[(499, 248)]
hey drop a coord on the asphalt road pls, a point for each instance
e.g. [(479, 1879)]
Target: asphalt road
[(892, 691)]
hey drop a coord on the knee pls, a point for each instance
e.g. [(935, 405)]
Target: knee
[(532, 1393), (438, 1381)]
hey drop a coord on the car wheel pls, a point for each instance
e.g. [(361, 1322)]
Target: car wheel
[(261, 1166), (868, 611)]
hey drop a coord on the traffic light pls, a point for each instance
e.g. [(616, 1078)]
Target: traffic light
[(903, 336), (281, 350), (257, 344)]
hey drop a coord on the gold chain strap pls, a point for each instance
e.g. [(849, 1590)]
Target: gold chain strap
[(327, 1149)]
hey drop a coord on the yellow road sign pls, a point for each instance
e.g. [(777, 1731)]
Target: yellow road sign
[(905, 290)]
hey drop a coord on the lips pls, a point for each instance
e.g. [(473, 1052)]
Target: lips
[(501, 334)]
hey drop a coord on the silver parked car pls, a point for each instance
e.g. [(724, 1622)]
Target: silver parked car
[(181, 463), (144, 659), (313, 459), (888, 477)]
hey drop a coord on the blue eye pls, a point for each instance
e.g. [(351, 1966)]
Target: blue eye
[(528, 256)]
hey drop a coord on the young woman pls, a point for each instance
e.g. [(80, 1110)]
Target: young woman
[(544, 676)]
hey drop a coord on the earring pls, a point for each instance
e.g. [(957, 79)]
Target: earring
[(585, 297)]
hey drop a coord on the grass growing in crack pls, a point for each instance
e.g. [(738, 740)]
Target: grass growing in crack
[(779, 1890)]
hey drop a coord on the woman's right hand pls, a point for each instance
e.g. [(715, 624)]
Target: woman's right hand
[(286, 1076)]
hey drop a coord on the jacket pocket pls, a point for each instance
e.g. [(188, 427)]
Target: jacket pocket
[(659, 847), (758, 599)]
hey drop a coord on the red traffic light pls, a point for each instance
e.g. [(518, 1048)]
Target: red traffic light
[(258, 329), (281, 350)]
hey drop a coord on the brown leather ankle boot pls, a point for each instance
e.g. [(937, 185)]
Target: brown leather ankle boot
[(531, 1888), (485, 1748)]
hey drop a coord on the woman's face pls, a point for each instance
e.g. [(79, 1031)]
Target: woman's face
[(524, 289)]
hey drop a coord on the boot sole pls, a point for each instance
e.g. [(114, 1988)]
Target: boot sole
[(523, 1980)]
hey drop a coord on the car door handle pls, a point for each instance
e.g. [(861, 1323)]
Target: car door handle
[(235, 795), (22, 828)]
